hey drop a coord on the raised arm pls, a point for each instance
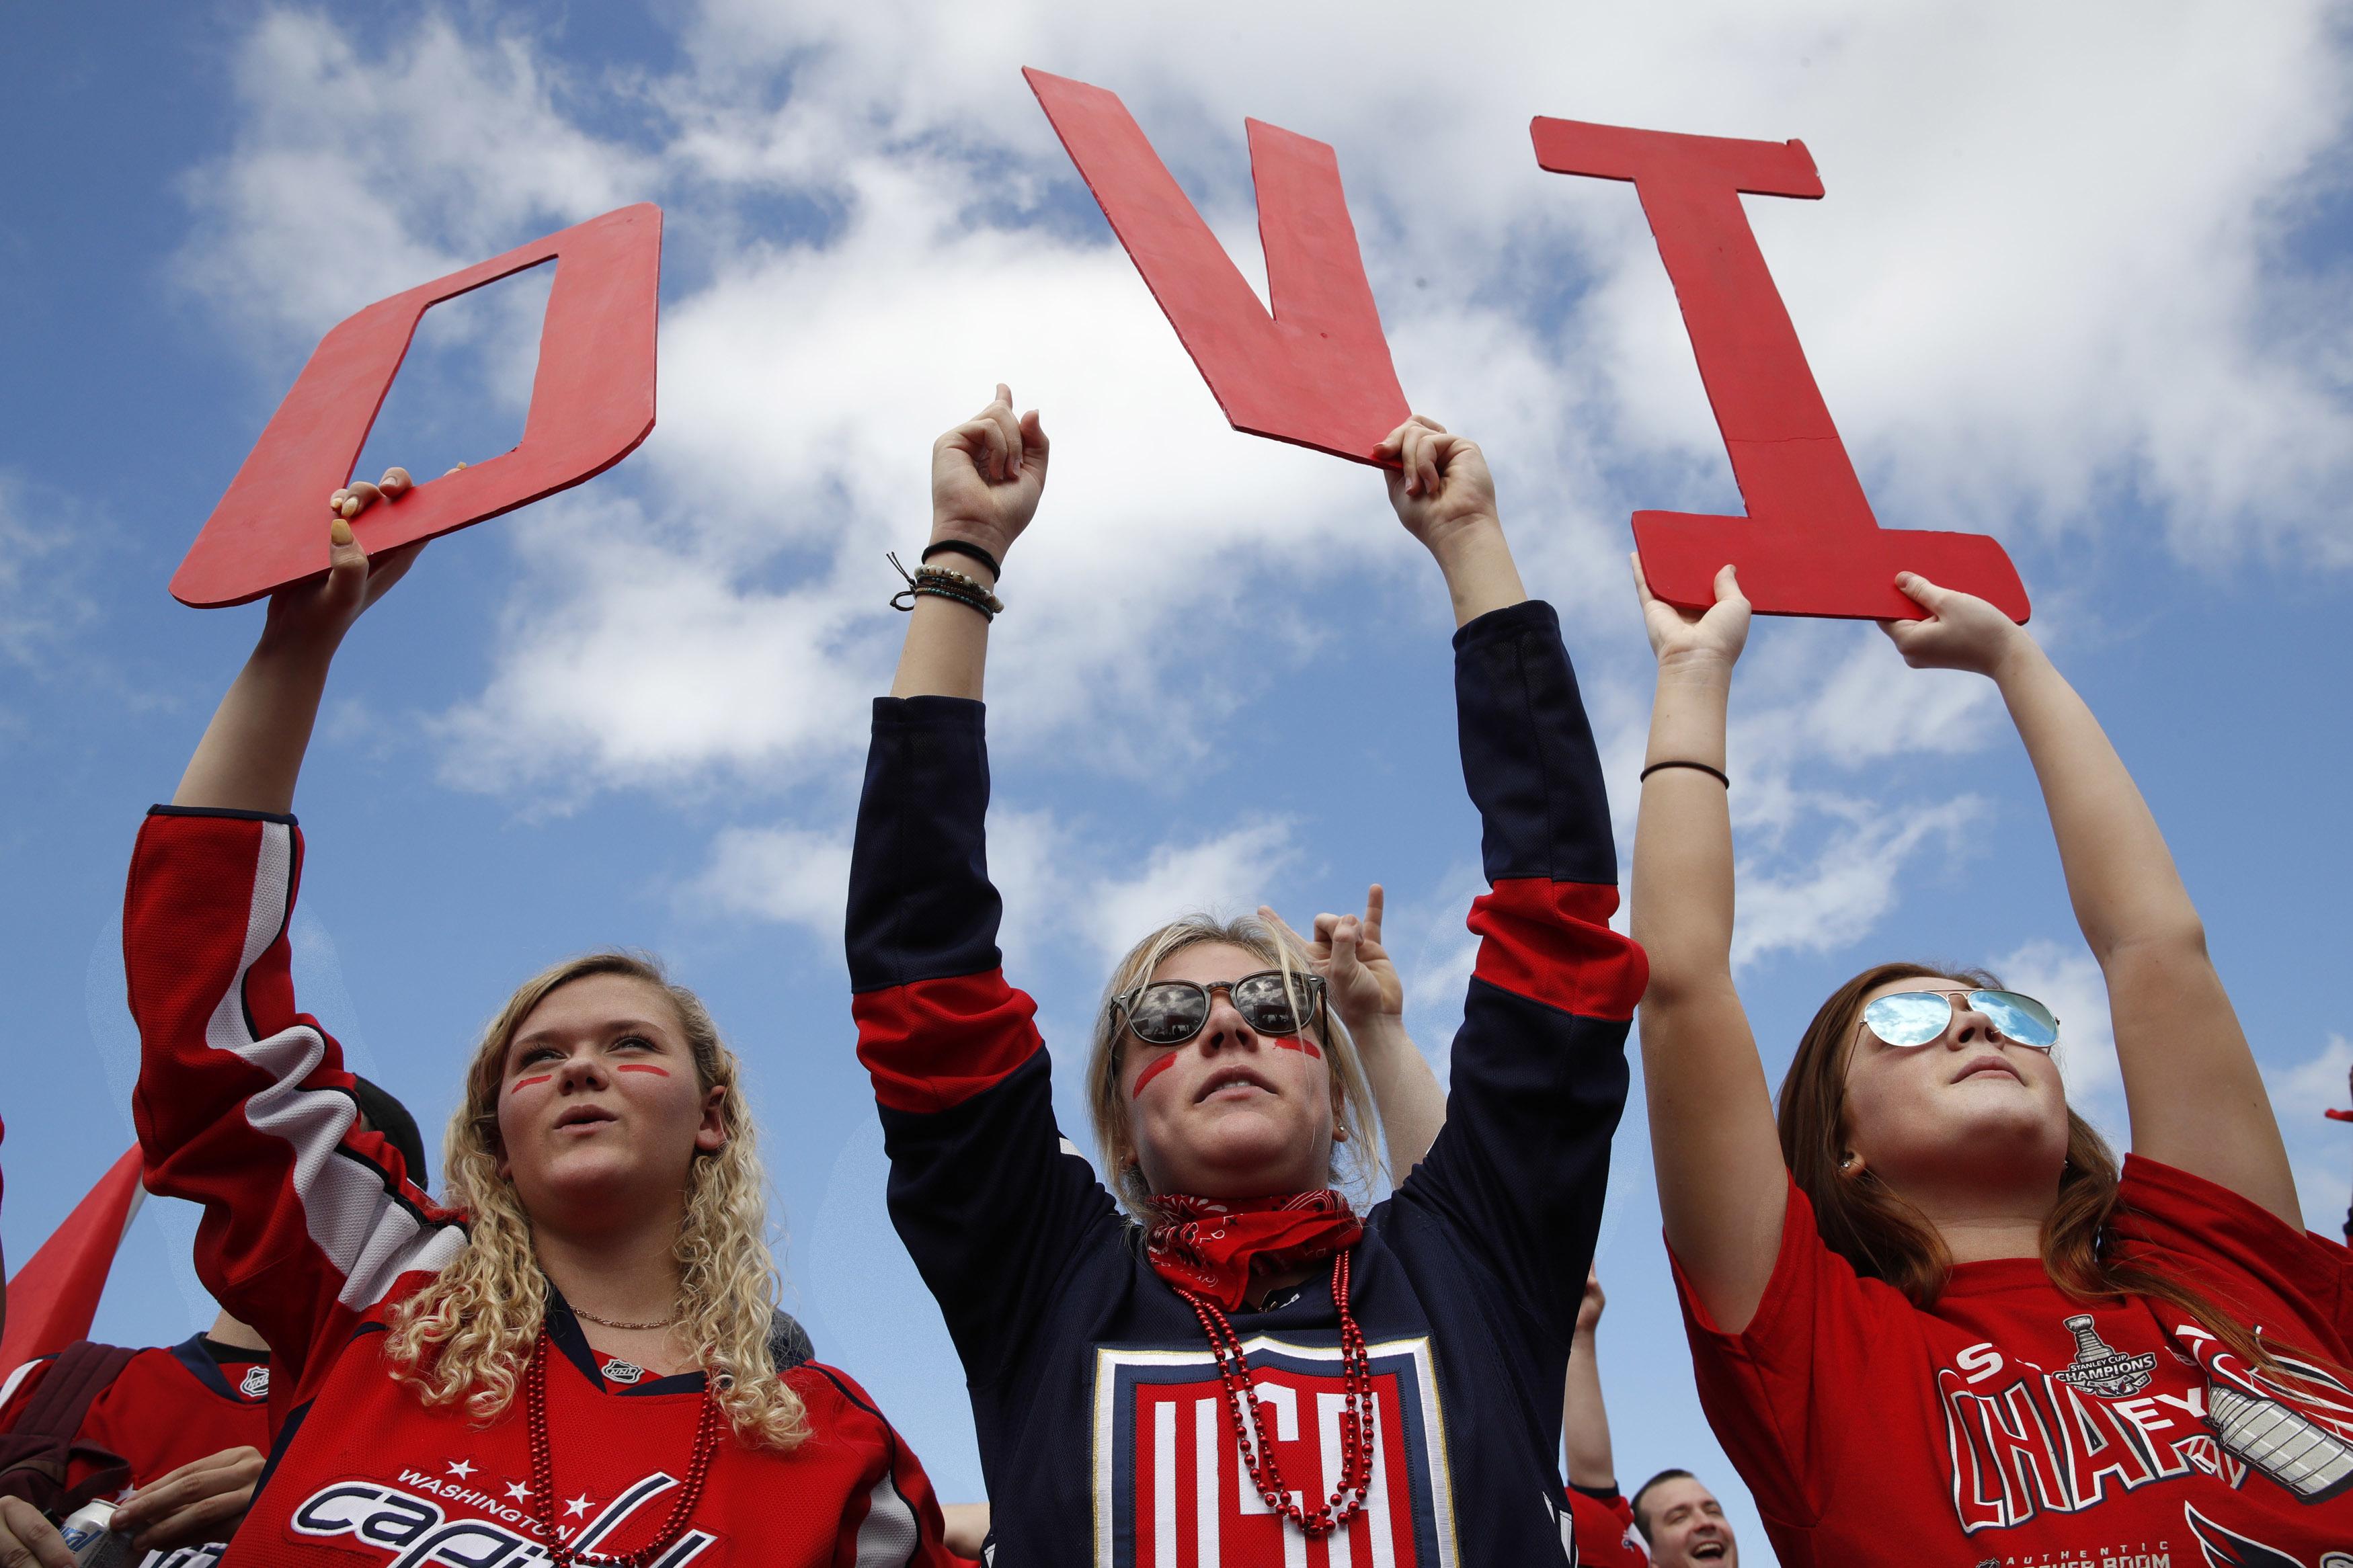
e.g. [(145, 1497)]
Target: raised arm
[(252, 752), (1584, 1419), (2195, 1095), (988, 1197), (242, 1105), (986, 476), (1723, 1187)]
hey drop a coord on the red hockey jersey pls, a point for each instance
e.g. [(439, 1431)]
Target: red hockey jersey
[(1604, 1530), (167, 1406), (312, 1230), (2009, 1424)]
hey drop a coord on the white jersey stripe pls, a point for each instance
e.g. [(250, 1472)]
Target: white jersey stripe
[(887, 1535), (366, 1234)]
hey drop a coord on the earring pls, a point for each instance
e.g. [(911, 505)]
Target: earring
[(1846, 1162), (1339, 1135)]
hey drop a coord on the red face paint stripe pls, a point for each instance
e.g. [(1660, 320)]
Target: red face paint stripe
[(642, 1067), (527, 1082), (1152, 1071), (1296, 1043)]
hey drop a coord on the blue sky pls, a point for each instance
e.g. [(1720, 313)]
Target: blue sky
[(2079, 281)]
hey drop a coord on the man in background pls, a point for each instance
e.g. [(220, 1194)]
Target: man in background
[(1683, 1523)]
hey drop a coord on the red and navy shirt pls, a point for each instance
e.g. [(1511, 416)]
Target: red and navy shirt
[(1101, 1418), (2011, 1424), (312, 1231), (169, 1405)]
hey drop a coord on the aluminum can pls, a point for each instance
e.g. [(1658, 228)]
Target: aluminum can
[(90, 1537)]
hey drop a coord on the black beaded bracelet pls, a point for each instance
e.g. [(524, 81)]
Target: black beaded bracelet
[(966, 600), (1715, 774), (961, 547)]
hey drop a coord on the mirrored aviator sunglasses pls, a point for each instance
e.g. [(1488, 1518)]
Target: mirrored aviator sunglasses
[(1916, 1017), (1170, 1012)]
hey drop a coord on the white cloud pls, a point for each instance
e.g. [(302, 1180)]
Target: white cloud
[(1227, 875), (46, 546), (789, 874), (1834, 895)]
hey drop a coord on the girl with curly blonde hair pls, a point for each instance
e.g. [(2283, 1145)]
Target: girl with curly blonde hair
[(576, 1356)]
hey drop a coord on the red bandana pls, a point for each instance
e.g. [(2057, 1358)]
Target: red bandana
[(1208, 1246)]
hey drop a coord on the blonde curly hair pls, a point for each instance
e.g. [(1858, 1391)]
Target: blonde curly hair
[(468, 1335), (1107, 1108)]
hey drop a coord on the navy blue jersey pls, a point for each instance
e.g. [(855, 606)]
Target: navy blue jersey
[(1103, 1426)]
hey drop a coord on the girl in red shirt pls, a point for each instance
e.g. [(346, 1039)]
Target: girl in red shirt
[(1934, 1322), (578, 1359)]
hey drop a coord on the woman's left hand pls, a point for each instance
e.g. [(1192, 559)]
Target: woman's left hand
[(1961, 631), (1360, 982), (1441, 486)]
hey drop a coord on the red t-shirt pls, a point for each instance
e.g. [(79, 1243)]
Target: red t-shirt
[(170, 1404), (1605, 1536), (2010, 1425)]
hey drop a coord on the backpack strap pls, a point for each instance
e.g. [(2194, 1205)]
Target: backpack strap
[(41, 1446)]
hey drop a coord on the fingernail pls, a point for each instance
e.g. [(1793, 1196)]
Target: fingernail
[(340, 531)]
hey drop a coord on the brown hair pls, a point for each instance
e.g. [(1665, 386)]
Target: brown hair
[(1885, 1238), (1107, 1107), (467, 1334)]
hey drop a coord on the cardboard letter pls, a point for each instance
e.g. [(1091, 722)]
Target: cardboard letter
[(1809, 544), (1317, 372), (592, 402)]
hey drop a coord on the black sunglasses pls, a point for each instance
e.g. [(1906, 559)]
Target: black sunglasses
[(1171, 1012)]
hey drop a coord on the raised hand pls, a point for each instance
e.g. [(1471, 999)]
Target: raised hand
[(1360, 981), (1719, 632), (316, 612), (1589, 1306), (1440, 485), (202, 1500), (1961, 631), (986, 476)]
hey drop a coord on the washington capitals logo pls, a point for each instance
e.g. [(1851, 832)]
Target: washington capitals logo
[(418, 1531), (2227, 1549), (2099, 1370)]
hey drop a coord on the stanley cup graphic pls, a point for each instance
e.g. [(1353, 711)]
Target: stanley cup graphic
[(2099, 1368), (2291, 1448)]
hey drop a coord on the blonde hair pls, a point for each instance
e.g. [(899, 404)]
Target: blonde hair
[(1107, 1107), (468, 1334)]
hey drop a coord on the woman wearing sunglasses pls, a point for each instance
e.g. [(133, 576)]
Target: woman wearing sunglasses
[(578, 1361), (1933, 1321), (1252, 1369)]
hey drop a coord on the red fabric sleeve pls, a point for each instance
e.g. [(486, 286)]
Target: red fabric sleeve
[(2243, 1255), (242, 1105), (1605, 1533), (1774, 1391)]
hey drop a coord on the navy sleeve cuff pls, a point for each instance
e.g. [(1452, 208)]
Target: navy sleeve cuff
[(232, 813)]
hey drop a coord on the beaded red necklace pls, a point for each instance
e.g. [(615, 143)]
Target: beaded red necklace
[(542, 1476), (1243, 1412)]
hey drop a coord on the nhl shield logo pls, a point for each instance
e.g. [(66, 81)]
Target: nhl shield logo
[(256, 1382), (617, 1371)]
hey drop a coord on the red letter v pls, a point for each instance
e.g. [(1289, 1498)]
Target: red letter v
[(1317, 372)]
